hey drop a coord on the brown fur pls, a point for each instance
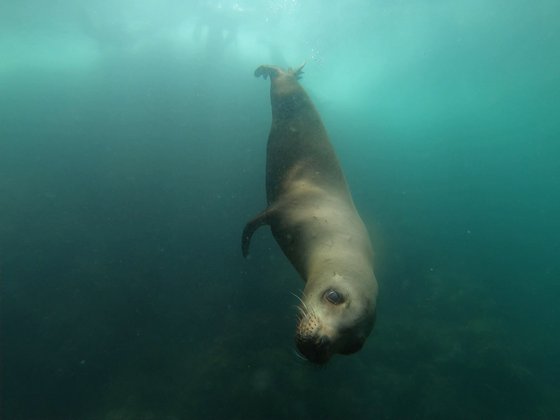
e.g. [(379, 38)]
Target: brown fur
[(313, 219)]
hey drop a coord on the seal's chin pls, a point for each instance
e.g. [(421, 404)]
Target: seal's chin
[(316, 349)]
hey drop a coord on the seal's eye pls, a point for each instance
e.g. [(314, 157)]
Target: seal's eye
[(334, 297)]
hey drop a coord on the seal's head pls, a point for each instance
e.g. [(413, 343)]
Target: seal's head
[(335, 318)]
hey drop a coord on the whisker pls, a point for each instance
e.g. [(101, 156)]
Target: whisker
[(309, 311), (301, 300), (300, 311), (299, 355)]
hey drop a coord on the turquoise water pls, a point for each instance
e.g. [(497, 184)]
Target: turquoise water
[(132, 153)]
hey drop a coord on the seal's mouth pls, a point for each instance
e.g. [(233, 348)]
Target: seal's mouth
[(314, 346), (316, 349)]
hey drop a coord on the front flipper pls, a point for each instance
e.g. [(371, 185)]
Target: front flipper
[(262, 218)]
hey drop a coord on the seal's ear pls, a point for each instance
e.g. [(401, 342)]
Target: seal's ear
[(261, 219)]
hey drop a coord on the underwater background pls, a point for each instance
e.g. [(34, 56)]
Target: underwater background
[(132, 153)]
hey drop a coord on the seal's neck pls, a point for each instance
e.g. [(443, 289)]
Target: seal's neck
[(288, 98)]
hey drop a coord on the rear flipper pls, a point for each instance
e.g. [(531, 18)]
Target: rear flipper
[(267, 70), (261, 219)]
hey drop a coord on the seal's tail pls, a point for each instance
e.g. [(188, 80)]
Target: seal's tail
[(267, 70)]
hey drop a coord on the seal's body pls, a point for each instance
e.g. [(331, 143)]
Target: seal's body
[(313, 219)]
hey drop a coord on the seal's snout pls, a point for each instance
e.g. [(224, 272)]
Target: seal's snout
[(311, 343), (315, 349)]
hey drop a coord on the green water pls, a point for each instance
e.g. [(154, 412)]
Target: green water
[(132, 153)]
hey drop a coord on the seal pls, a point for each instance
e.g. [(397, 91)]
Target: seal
[(313, 218)]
